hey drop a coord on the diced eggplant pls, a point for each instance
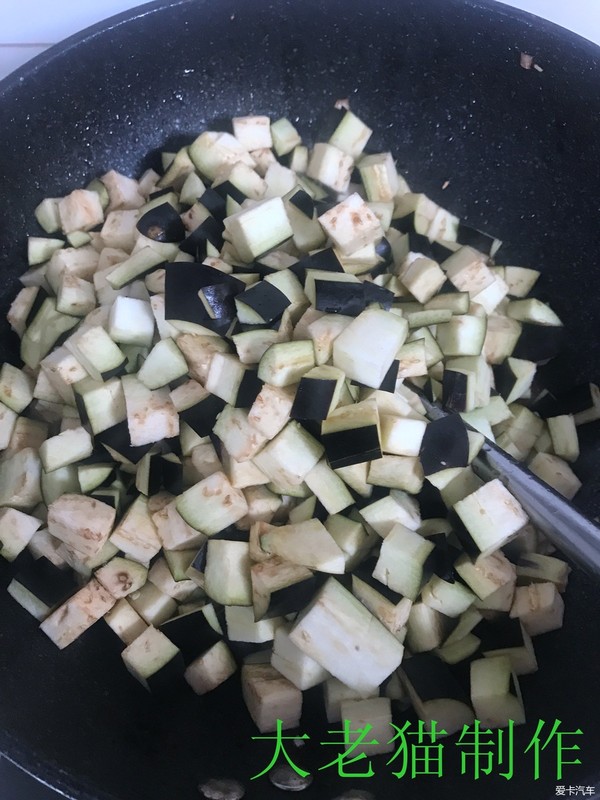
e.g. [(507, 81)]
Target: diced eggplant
[(81, 210), (435, 693), (426, 628), (290, 456), (66, 448), (162, 223), (116, 440), (243, 630), (346, 639), (445, 444), (261, 303), (121, 576), (556, 473), (396, 507), (513, 378), (77, 614), (451, 598), (365, 349), (16, 531), (302, 670), (182, 590), (390, 607), (284, 363), (151, 415), (495, 693), (350, 434), (211, 668), (280, 587), (492, 578), (318, 393), (307, 543), (270, 698), (212, 504), (82, 522), (539, 607), (197, 407), (153, 660), (135, 534), (374, 712), (491, 516), (124, 620), (397, 472), (154, 606), (535, 567), (40, 586)]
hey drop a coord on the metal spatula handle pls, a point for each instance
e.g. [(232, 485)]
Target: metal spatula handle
[(575, 534)]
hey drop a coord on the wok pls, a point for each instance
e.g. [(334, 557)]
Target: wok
[(440, 83)]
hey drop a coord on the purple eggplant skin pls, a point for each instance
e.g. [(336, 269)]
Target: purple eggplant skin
[(445, 444), (313, 399), (162, 224)]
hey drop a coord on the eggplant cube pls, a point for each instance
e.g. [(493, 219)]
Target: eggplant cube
[(335, 693), (16, 531), (239, 438), (131, 321), (397, 507), (351, 224), (227, 572), (136, 533), (78, 614), (379, 177), (495, 693), (556, 473), (41, 586), (271, 410), (151, 415), (121, 576), (318, 393), (270, 697), (124, 620), (401, 559), (467, 270), (539, 606), (330, 166), (16, 388), (338, 632), (81, 210), (375, 712), (422, 276), (492, 516), (307, 543), (153, 660), (350, 434), (212, 504), (366, 348), (303, 671), (253, 133), (82, 522), (255, 230), (289, 457), (211, 669)]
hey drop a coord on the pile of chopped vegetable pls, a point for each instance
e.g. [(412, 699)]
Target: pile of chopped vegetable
[(214, 444)]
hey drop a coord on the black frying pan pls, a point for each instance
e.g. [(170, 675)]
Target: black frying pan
[(441, 84)]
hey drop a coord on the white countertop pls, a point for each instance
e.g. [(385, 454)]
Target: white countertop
[(27, 27)]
